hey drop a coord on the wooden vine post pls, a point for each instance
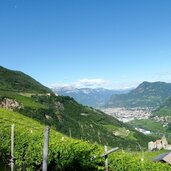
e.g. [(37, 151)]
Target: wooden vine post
[(106, 158), (45, 149), (105, 155), (12, 148)]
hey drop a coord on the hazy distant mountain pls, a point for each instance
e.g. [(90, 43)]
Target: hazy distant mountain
[(88, 96), (145, 95)]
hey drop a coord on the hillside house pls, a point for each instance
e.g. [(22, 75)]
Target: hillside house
[(166, 157)]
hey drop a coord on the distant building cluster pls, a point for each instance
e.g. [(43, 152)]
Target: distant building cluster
[(126, 115)]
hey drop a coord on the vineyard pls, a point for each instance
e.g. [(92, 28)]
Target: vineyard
[(64, 153)]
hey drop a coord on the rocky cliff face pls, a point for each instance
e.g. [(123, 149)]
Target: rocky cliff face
[(9, 104)]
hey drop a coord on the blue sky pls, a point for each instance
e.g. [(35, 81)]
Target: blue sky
[(108, 43)]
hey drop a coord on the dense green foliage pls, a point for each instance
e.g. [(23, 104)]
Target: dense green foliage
[(157, 128), (81, 122), (149, 124), (23, 99), (20, 82), (164, 109), (135, 162), (64, 153), (145, 95)]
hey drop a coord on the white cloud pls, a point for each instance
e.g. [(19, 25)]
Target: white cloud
[(83, 83), (96, 83), (91, 82), (122, 83)]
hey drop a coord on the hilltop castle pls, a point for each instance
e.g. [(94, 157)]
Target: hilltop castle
[(159, 144)]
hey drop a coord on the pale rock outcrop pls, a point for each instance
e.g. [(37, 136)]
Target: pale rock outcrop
[(9, 104)]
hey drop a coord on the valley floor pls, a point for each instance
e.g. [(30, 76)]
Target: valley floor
[(126, 115)]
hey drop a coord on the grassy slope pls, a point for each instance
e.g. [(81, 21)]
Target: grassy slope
[(77, 120), (164, 109), (23, 99), (17, 81), (29, 145), (157, 129), (64, 153), (90, 124)]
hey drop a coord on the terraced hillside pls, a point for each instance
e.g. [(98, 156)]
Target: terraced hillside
[(64, 153)]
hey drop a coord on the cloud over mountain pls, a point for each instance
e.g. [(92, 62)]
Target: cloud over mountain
[(84, 83)]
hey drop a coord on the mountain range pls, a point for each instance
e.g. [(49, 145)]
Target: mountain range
[(95, 97), (147, 94)]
